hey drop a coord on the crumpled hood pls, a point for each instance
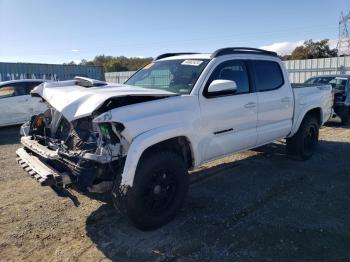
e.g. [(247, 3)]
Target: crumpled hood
[(75, 101)]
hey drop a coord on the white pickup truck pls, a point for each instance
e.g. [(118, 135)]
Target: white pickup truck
[(139, 139)]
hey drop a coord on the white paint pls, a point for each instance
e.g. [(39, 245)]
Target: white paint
[(19, 109), (214, 127), (76, 101)]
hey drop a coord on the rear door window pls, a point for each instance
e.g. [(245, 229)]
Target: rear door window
[(7, 91), (268, 75), (15, 89)]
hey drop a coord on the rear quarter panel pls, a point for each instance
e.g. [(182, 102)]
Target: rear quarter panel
[(309, 98)]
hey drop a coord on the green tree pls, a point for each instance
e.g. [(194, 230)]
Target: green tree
[(70, 63), (311, 49), (119, 63)]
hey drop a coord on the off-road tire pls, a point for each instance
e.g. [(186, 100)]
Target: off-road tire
[(345, 121), (344, 115), (304, 142), (162, 179)]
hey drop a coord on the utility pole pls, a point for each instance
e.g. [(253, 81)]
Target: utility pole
[(343, 44)]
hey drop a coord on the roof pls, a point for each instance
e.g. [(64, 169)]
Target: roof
[(190, 56), (23, 81), (217, 53)]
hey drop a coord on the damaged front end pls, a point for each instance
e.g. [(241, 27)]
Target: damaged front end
[(84, 153)]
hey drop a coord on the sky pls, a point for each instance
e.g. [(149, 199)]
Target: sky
[(52, 31)]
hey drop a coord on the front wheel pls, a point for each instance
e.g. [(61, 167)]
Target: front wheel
[(158, 192), (304, 142)]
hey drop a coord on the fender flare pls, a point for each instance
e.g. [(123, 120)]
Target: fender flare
[(146, 140), (301, 117)]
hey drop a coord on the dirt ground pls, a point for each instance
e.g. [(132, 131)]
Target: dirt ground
[(258, 205)]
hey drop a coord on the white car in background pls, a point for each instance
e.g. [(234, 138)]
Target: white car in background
[(16, 104)]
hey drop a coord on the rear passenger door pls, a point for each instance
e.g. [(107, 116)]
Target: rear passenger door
[(275, 101)]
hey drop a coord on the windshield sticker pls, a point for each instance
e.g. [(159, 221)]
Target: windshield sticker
[(148, 66), (192, 62)]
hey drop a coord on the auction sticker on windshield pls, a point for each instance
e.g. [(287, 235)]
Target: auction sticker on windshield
[(192, 62)]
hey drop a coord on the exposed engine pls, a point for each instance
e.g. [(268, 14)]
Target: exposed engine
[(51, 129), (93, 153)]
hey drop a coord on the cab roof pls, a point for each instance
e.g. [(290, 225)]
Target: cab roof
[(23, 81), (217, 53)]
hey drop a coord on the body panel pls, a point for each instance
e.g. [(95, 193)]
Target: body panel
[(213, 127), (20, 106), (75, 101), (275, 112)]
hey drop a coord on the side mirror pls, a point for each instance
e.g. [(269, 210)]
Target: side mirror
[(222, 86)]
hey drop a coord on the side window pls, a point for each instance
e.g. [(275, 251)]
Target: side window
[(231, 70), (338, 83), (20, 89), (268, 75), (30, 86), (7, 91), (15, 89)]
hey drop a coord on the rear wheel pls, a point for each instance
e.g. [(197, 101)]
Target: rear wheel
[(344, 115), (345, 121), (304, 142), (158, 192)]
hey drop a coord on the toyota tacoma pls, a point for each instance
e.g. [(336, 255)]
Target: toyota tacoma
[(138, 140)]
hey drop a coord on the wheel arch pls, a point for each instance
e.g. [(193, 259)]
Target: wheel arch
[(317, 113), (180, 144), (313, 111), (165, 138)]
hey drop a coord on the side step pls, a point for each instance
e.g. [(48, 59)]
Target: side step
[(43, 173)]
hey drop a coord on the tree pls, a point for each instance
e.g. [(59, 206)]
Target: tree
[(119, 63), (311, 49), (70, 63)]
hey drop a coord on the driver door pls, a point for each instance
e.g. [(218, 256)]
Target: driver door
[(229, 121)]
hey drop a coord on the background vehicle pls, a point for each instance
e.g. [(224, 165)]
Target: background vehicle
[(340, 85), (16, 104), (138, 140)]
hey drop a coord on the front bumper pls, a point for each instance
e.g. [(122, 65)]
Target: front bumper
[(42, 172), (51, 169)]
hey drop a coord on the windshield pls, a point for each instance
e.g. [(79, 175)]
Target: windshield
[(336, 82), (177, 76)]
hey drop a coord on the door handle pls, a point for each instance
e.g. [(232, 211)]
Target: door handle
[(285, 99), (250, 105)]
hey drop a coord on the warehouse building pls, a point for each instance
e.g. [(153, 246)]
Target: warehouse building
[(14, 71)]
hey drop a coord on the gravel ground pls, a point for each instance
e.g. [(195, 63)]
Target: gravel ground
[(257, 205)]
